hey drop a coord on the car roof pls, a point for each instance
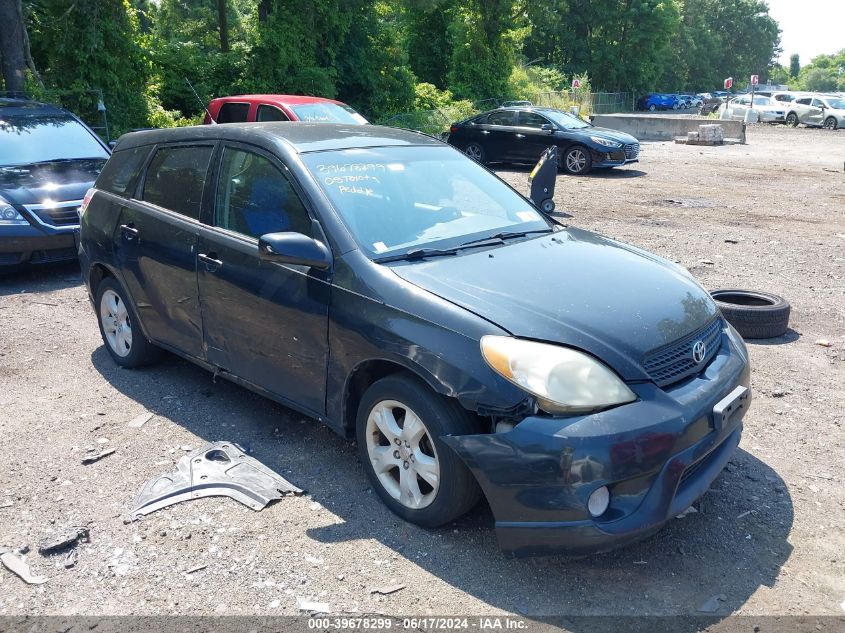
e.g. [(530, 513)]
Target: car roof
[(285, 100), (302, 137), (26, 107)]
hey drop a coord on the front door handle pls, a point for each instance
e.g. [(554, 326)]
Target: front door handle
[(210, 260), (520, 136), (129, 232), (485, 131)]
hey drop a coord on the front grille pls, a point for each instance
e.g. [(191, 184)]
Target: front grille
[(60, 215), (53, 255), (632, 150), (692, 469), (672, 363)]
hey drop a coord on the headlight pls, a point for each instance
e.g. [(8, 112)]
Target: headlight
[(9, 215), (563, 380), (605, 142)]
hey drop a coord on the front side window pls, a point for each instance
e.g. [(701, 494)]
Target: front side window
[(176, 178), (233, 113), (270, 113), (398, 199), (39, 138), (255, 198), (531, 119), (818, 103)]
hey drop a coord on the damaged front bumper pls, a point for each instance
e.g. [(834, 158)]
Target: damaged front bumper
[(656, 456)]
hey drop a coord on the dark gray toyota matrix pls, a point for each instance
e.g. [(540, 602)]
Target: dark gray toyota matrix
[(384, 283)]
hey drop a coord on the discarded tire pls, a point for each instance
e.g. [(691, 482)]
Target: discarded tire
[(753, 314)]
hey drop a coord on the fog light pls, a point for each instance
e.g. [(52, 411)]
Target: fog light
[(598, 501)]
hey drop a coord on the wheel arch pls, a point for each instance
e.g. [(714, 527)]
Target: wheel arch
[(368, 372)]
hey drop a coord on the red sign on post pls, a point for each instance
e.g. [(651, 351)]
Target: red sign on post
[(729, 82), (755, 80), (576, 84)]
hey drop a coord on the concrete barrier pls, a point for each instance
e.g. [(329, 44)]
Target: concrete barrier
[(655, 127)]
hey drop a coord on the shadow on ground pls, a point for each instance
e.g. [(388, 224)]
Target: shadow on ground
[(733, 546), (613, 172), (42, 278)]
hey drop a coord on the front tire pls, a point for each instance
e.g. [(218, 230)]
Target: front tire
[(576, 160), (830, 123), (399, 426), (476, 152), (118, 321)]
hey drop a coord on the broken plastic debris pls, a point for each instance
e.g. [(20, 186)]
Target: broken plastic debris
[(67, 539), (220, 469), (311, 606), (95, 458), (824, 342), (18, 566), (139, 421), (713, 603), (690, 510)]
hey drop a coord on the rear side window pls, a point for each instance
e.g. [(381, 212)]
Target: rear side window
[(803, 101), (175, 178), (119, 174), (233, 113), (270, 113)]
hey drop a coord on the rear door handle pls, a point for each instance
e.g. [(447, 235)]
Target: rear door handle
[(210, 260), (129, 231), (485, 131)]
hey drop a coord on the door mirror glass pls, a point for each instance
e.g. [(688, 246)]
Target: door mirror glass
[(293, 248), (548, 127)]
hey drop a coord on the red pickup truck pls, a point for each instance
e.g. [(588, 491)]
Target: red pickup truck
[(243, 108)]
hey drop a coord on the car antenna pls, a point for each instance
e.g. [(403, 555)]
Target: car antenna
[(211, 118)]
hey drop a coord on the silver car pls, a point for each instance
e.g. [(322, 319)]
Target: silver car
[(817, 111)]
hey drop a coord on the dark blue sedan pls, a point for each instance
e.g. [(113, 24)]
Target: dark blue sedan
[(522, 134), (382, 282)]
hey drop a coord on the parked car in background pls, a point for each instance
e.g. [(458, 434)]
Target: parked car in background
[(692, 101), (817, 111), (709, 103), (659, 101), (763, 109), (245, 108), (512, 104), (520, 135), (48, 160), (391, 287)]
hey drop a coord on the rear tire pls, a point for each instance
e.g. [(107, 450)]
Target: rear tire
[(120, 329), (753, 314), (399, 426), (476, 152), (792, 119), (652, 108)]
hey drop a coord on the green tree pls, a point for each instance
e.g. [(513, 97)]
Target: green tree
[(824, 73), (794, 65), (85, 46), (428, 39)]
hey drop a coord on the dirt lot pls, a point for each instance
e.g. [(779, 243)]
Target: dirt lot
[(769, 536)]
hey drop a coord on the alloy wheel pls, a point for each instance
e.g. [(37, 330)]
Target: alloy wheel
[(792, 119), (830, 123), (474, 151), (402, 454), (116, 325), (576, 160)]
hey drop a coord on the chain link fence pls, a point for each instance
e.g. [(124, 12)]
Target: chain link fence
[(436, 122)]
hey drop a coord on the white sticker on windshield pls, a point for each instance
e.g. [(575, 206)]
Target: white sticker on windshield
[(526, 216), (380, 247)]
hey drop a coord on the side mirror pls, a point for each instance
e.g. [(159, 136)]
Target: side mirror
[(548, 127), (293, 248), (111, 144)]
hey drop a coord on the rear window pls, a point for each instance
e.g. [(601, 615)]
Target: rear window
[(175, 178), (118, 176), (233, 113)]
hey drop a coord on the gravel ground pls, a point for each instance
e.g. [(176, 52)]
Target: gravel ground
[(769, 537)]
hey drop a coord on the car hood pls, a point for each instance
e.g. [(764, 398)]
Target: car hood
[(57, 181), (611, 135), (574, 288)]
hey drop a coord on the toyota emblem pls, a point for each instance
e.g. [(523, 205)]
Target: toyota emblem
[(699, 351)]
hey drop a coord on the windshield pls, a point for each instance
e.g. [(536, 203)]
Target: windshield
[(398, 199), (36, 139), (565, 120), (328, 113), (836, 104), (762, 101)]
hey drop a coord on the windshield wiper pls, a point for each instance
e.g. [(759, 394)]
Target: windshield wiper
[(418, 253), (505, 235)]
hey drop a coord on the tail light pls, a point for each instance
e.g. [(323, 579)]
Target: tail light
[(88, 195), (453, 129)]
